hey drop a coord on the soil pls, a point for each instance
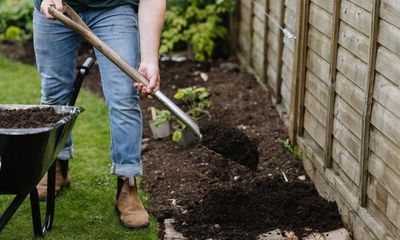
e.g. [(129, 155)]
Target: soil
[(211, 197), (231, 143), (29, 118)]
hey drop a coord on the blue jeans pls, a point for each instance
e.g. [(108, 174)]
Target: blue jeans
[(56, 49)]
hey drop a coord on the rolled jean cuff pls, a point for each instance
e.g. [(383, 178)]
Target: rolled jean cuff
[(66, 153), (127, 170)]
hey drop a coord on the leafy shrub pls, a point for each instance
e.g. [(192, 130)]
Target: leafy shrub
[(195, 23), (16, 20)]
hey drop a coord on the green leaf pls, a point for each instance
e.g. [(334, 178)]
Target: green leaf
[(13, 33), (188, 91), (180, 94), (177, 135)]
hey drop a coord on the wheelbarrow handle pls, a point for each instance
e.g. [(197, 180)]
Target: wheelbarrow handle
[(83, 71), (75, 22)]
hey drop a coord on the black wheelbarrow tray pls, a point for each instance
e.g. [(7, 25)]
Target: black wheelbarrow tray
[(25, 157)]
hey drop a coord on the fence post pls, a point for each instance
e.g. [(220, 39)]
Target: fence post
[(302, 67), (332, 86), (294, 91), (234, 27), (265, 61), (368, 106), (250, 57), (280, 51)]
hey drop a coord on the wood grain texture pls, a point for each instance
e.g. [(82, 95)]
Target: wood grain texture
[(390, 11), (317, 88), (389, 36), (319, 43), (369, 100), (354, 41), (351, 93), (352, 67), (347, 138), (387, 64), (297, 65), (356, 17), (279, 54), (302, 67), (332, 82)]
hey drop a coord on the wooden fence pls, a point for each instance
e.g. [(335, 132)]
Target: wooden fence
[(337, 87)]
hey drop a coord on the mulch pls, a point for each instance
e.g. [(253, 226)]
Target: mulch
[(212, 197)]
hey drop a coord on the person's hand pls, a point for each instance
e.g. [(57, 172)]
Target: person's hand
[(151, 72), (44, 7)]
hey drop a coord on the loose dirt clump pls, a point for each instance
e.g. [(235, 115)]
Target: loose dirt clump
[(231, 143), (29, 118)]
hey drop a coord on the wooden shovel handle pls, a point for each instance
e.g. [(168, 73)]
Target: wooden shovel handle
[(75, 22)]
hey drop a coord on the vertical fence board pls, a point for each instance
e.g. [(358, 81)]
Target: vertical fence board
[(250, 60), (265, 63), (294, 94), (332, 79), (280, 52), (368, 106), (302, 67)]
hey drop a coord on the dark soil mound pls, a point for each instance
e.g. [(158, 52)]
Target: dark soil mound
[(231, 143), (29, 118), (267, 204)]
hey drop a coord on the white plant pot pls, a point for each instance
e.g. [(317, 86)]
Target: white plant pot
[(161, 131)]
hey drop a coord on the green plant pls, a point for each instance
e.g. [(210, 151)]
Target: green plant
[(294, 150), (177, 134), (197, 23), (164, 115), (16, 20), (196, 98), (161, 116)]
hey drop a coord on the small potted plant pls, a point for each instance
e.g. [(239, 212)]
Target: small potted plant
[(160, 123), (196, 101)]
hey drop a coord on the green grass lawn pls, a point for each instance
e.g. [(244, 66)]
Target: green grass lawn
[(86, 209)]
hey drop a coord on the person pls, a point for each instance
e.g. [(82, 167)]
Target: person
[(132, 28)]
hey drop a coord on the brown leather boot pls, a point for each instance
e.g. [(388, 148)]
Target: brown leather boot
[(62, 179), (132, 213)]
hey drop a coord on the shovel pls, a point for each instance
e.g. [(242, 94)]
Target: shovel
[(75, 22), (229, 142)]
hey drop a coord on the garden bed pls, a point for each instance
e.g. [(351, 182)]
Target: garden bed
[(210, 197)]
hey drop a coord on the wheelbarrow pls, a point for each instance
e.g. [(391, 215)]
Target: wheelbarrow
[(27, 154)]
